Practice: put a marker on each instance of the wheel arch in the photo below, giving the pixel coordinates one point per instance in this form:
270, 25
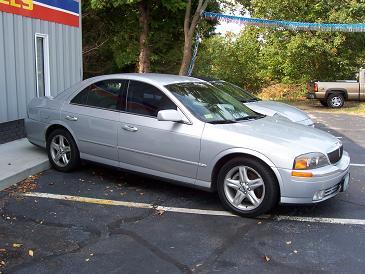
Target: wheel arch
227, 155
337, 90
59, 125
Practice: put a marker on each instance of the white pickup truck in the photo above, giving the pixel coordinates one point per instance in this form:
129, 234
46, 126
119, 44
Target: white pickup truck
334, 94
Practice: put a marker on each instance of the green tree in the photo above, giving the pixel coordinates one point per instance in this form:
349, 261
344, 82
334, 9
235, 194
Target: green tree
234, 59
142, 10
259, 56
299, 56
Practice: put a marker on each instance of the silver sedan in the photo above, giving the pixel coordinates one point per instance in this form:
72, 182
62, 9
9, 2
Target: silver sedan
186, 130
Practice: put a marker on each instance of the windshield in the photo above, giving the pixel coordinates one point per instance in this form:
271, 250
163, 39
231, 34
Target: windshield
235, 91
211, 104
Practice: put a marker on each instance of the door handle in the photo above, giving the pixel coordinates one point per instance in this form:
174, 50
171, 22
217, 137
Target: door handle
129, 128
71, 118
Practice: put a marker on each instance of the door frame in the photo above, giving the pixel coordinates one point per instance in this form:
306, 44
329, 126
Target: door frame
47, 83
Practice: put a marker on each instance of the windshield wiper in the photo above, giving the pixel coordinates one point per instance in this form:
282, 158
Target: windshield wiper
223, 122
249, 100
250, 117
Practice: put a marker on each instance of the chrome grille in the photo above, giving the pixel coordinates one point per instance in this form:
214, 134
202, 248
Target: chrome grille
335, 155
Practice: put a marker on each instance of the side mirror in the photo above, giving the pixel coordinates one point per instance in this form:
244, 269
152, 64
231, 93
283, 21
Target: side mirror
171, 115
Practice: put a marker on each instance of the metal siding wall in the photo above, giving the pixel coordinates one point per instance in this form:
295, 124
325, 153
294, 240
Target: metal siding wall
10, 72
3, 95
20, 68
29, 60
66, 53
73, 57
17, 61
53, 58
60, 58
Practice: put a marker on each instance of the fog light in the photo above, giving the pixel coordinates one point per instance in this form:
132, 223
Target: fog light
319, 195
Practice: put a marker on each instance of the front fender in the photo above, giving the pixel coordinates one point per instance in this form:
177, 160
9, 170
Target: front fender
208, 170
339, 90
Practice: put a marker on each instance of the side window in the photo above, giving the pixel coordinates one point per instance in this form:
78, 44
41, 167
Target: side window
146, 99
104, 94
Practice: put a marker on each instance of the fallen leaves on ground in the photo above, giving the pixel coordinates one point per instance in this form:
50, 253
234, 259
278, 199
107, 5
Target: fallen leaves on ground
160, 212
28, 184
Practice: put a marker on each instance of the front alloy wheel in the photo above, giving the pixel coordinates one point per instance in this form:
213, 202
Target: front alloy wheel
247, 187
244, 188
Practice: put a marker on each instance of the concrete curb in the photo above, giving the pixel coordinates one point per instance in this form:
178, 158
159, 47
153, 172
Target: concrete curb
23, 174
20, 159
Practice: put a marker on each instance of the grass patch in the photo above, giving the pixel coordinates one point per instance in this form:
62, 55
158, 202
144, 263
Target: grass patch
352, 108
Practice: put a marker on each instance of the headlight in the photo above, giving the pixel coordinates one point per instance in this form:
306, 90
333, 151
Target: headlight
278, 116
310, 161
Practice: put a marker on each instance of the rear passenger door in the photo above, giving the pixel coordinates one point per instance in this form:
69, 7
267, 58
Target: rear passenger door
93, 116
162, 146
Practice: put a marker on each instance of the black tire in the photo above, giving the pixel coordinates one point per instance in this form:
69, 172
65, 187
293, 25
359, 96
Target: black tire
323, 103
271, 193
73, 155
335, 100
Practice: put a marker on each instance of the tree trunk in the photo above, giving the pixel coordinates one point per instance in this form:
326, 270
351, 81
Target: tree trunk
144, 50
190, 25
187, 53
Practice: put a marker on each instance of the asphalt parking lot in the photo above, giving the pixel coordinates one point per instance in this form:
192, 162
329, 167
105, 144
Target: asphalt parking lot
98, 219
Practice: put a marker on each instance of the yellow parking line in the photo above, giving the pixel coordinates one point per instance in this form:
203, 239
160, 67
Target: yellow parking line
127, 204
87, 200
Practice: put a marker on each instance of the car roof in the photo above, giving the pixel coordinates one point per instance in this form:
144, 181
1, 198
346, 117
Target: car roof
208, 78
156, 78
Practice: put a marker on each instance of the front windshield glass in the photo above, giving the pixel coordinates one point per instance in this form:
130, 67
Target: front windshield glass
235, 91
211, 104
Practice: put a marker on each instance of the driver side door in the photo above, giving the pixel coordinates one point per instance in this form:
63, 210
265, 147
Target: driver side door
161, 148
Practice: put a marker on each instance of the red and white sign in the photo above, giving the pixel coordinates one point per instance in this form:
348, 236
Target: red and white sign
66, 12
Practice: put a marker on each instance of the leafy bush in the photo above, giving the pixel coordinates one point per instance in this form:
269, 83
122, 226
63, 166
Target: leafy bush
283, 92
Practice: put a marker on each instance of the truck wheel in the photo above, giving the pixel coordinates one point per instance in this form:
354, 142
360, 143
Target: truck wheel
323, 103
335, 100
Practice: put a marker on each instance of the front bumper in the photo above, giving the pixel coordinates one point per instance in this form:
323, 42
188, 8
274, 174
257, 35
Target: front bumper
297, 190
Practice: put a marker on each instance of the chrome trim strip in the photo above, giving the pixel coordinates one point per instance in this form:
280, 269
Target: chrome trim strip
161, 156
96, 143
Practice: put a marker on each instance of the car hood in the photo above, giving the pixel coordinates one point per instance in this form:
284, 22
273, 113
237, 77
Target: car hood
280, 141
270, 108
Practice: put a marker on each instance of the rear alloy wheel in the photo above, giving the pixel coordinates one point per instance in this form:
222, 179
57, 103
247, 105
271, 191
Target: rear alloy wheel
247, 187
62, 150
335, 100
